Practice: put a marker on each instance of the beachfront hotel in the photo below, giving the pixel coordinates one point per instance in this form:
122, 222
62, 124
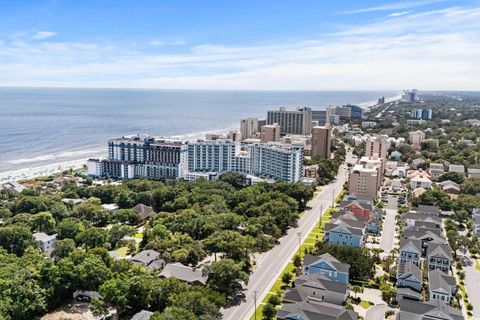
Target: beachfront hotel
142, 156
297, 121
147, 157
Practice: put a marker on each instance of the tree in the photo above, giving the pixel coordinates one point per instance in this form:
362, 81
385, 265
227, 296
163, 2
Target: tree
388, 292
226, 276
63, 248
297, 261
452, 176
287, 278
98, 307
269, 311
356, 289
124, 200
15, 239
69, 228
235, 179
93, 237
43, 222
174, 313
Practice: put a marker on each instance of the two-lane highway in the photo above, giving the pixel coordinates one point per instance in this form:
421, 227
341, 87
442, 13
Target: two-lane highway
270, 264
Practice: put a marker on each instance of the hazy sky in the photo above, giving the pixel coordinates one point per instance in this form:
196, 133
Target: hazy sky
277, 44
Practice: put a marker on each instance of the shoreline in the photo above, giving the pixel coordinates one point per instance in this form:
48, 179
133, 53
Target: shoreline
57, 167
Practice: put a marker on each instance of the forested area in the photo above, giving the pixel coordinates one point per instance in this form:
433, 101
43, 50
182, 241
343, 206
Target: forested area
220, 219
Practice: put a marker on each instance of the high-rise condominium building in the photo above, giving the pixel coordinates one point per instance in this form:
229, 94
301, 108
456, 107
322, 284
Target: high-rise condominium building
416, 137
270, 133
321, 116
365, 178
248, 127
321, 142
422, 114
297, 121
346, 112
211, 156
377, 146
142, 156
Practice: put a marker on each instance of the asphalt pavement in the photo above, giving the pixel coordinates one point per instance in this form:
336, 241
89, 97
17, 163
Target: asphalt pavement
388, 232
472, 284
270, 264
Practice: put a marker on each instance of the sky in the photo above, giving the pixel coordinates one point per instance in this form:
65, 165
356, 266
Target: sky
251, 45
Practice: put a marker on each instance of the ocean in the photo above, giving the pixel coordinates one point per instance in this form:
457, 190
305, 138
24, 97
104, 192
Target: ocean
41, 126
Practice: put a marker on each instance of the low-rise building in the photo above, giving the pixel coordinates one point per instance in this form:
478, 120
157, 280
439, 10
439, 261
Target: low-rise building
183, 273
316, 287
327, 265
345, 231
409, 281
150, 259
450, 187
45, 242
473, 173
313, 310
441, 286
439, 256
457, 168
436, 170
410, 251
433, 309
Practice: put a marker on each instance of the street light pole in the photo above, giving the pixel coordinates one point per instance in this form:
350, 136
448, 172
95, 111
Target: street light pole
333, 198
320, 216
299, 234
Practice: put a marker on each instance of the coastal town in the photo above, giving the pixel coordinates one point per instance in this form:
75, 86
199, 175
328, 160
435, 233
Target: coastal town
342, 213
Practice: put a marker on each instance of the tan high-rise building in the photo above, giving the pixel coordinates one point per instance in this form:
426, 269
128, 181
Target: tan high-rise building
321, 142
377, 146
248, 128
365, 178
416, 137
297, 121
270, 133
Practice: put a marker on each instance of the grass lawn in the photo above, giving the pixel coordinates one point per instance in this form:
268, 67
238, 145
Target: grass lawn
122, 251
477, 264
364, 304
139, 235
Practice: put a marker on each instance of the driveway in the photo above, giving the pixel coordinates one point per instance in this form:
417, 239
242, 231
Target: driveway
388, 232
376, 312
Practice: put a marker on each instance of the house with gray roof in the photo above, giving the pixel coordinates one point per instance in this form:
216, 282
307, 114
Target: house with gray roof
473, 173
409, 281
13, 187
430, 210
439, 256
45, 242
418, 219
346, 232
328, 265
312, 310
433, 309
457, 168
316, 287
441, 286
184, 273
142, 315
410, 250
144, 212
150, 259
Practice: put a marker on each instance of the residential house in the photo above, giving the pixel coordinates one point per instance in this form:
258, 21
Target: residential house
410, 250
112, 207
183, 273
476, 220
417, 163
417, 192
430, 210
361, 207
450, 187
430, 310
45, 242
416, 219
13, 187
375, 221
144, 212
426, 236
457, 168
439, 256
409, 281
150, 259
142, 315
436, 170
441, 286
313, 310
344, 231
328, 265
316, 287
473, 173
421, 181
73, 201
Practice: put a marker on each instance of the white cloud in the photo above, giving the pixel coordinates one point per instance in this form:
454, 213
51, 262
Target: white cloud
398, 14
158, 42
41, 35
429, 50
393, 6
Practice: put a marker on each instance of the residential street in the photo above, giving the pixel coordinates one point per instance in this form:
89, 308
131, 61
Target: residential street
388, 233
270, 264
472, 284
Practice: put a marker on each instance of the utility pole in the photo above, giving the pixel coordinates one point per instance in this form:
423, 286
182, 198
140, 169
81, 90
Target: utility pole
255, 300
320, 216
333, 198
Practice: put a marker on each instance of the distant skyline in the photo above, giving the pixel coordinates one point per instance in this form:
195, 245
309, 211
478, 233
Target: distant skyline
264, 45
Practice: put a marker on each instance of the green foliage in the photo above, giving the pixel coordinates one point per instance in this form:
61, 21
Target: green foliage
226, 276
452, 176
15, 239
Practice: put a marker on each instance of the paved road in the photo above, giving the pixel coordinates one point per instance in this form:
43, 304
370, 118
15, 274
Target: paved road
472, 283
376, 312
388, 233
270, 264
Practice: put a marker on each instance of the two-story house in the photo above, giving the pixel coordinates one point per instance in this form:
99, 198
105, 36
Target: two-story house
316, 287
409, 281
45, 242
346, 229
439, 256
441, 286
328, 265
410, 250
429, 310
